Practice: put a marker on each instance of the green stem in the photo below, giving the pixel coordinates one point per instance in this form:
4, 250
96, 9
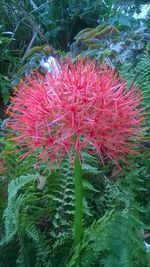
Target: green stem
78, 201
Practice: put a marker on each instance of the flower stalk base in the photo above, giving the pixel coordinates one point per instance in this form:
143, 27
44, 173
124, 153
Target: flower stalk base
78, 203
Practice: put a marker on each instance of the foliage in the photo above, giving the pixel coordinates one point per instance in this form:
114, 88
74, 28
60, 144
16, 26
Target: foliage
102, 245
38, 219
8, 64
39, 24
50, 207
140, 71
36, 24
93, 42
36, 206
111, 42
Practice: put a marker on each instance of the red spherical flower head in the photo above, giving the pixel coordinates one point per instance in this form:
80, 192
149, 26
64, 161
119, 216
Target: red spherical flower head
84, 106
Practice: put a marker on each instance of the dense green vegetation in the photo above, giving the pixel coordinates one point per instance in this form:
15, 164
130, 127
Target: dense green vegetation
37, 205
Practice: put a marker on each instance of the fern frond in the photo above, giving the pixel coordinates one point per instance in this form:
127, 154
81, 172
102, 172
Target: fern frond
15, 202
15, 185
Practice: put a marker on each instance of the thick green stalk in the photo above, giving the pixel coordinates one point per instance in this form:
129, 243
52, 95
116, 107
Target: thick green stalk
78, 201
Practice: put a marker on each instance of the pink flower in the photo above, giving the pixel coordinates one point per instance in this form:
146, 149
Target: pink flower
86, 106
